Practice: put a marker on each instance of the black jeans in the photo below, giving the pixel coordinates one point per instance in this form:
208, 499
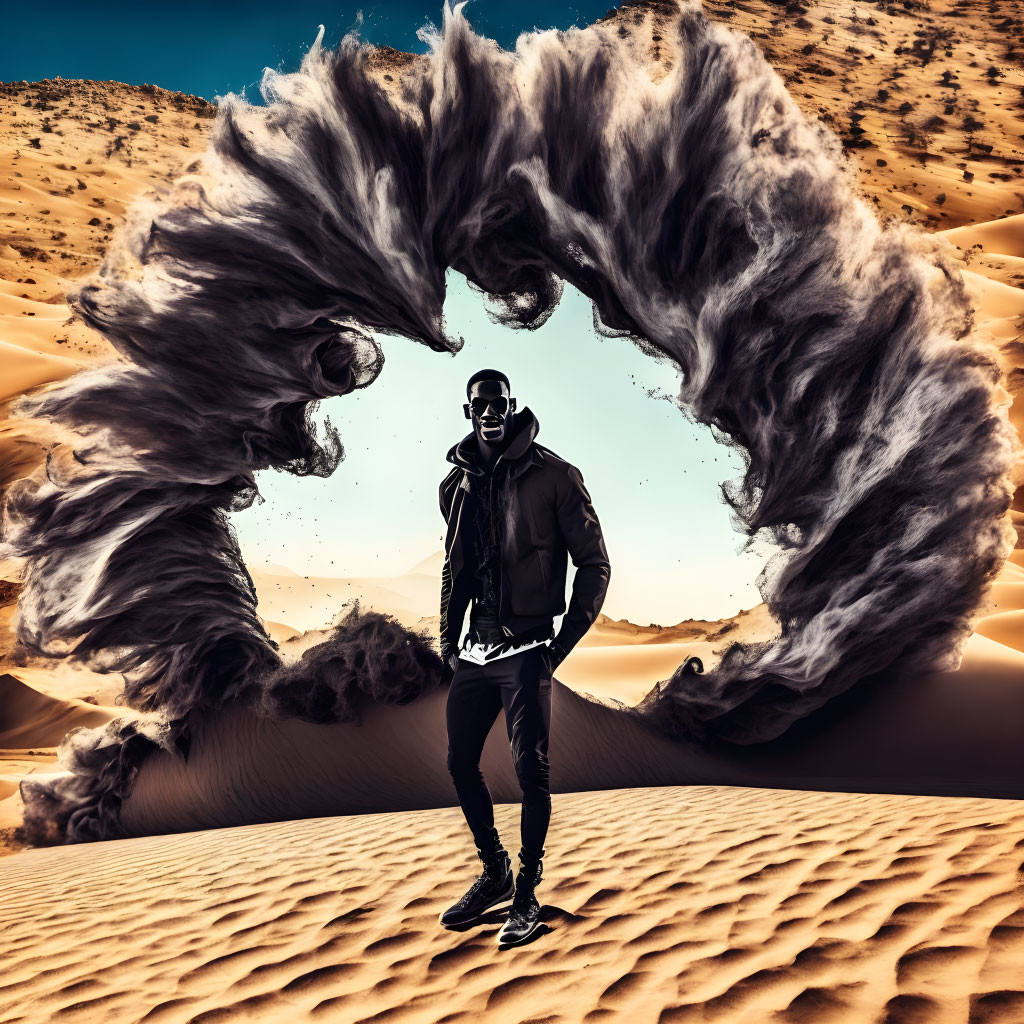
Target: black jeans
520, 684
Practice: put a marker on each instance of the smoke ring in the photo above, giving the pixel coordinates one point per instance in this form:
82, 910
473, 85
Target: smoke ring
709, 222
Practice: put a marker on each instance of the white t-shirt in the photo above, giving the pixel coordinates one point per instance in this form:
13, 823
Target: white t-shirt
480, 654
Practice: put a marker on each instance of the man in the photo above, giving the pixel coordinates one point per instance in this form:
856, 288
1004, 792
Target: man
515, 512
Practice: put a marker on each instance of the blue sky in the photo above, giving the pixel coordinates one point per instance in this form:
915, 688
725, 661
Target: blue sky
652, 474
215, 48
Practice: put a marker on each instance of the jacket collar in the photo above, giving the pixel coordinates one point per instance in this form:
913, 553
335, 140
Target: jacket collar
520, 453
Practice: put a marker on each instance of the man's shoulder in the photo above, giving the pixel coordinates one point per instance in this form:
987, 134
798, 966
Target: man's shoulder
449, 484
446, 490
554, 462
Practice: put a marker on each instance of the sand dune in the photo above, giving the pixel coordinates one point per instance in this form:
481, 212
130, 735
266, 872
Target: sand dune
925, 98
994, 284
30, 718
32, 724
68, 681
74, 156
279, 632
16, 765
677, 904
953, 733
1004, 236
948, 733
1005, 628
313, 602
296, 604
625, 673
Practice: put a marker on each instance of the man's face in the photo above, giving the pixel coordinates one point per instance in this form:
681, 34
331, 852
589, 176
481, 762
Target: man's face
490, 406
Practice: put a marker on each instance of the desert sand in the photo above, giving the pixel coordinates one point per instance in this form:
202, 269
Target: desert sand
33, 721
676, 887
672, 904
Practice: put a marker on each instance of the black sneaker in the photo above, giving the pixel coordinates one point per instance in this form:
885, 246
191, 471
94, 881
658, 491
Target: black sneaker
494, 885
524, 915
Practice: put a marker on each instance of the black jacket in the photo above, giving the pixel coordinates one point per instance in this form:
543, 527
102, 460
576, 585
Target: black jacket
547, 518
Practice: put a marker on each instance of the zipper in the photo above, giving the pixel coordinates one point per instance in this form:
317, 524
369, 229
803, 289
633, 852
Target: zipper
491, 518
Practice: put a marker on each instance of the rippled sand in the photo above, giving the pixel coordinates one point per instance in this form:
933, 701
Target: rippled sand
673, 904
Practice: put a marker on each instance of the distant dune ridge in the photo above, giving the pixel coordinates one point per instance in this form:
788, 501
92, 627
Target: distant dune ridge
867, 589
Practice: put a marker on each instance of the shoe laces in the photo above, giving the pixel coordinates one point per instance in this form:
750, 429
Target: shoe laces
480, 882
524, 894
491, 874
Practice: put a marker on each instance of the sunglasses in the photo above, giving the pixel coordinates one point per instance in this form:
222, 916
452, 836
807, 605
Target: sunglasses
499, 405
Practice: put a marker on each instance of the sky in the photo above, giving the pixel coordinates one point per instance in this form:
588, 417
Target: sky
653, 475
210, 49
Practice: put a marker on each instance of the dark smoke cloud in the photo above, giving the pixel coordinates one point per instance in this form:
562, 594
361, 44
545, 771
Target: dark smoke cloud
366, 657
707, 220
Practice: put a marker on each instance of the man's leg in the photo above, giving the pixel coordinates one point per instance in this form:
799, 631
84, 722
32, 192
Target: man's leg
526, 696
473, 704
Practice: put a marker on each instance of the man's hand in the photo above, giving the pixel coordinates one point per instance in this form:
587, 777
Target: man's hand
552, 656
581, 530
449, 663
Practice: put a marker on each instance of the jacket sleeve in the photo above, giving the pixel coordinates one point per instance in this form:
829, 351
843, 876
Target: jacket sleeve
583, 537
449, 641
443, 498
